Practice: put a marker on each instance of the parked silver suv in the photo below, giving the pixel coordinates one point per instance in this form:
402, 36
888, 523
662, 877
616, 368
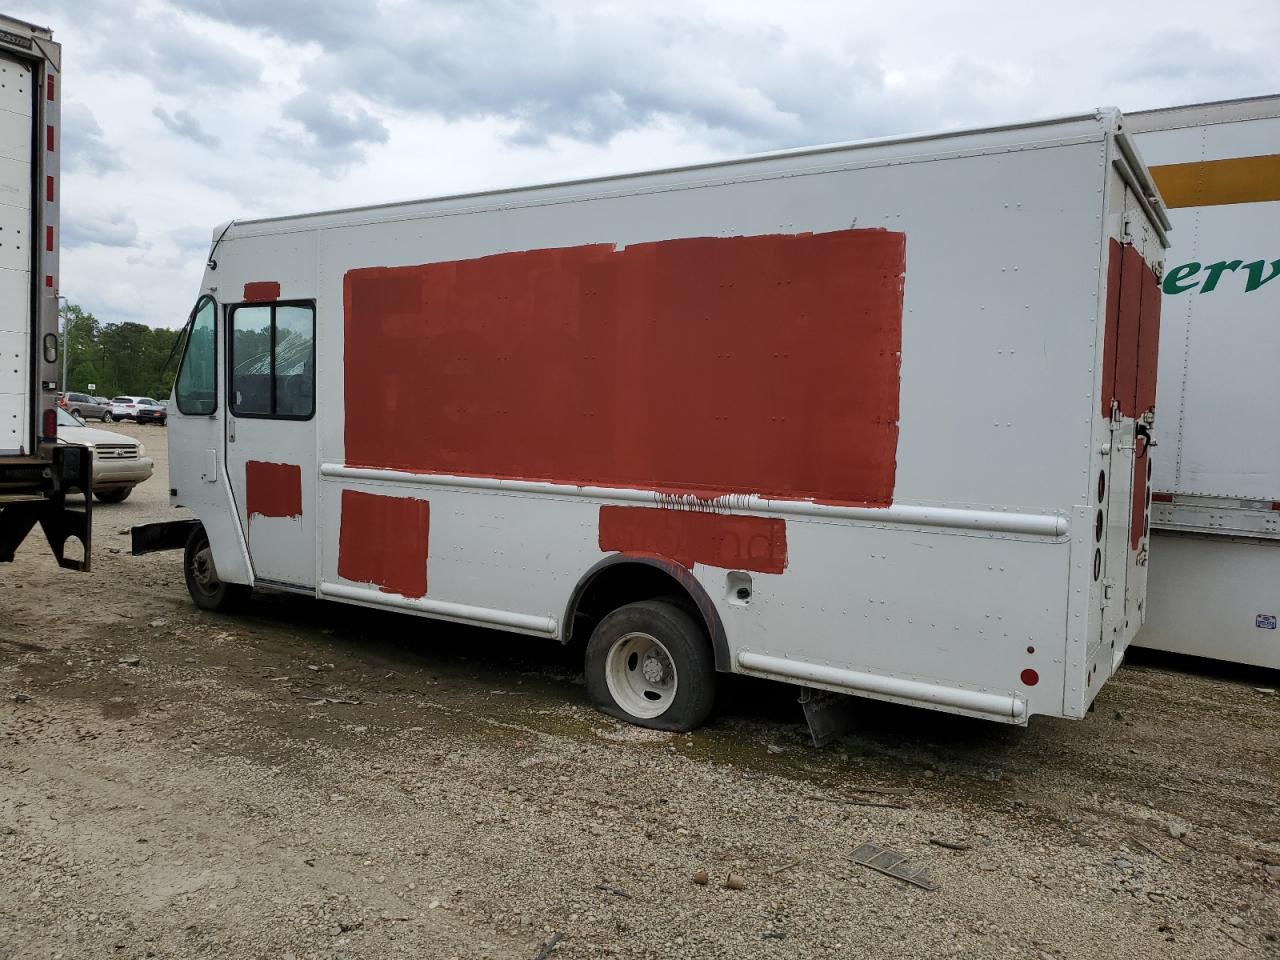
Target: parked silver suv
86, 407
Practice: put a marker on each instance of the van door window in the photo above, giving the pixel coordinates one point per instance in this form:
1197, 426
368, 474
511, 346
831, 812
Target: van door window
197, 373
273, 361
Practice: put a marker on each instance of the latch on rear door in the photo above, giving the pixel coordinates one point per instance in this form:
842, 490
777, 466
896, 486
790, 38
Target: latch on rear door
1107, 586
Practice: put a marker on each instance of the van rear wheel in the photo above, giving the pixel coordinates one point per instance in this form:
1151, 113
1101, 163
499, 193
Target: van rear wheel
650, 663
207, 591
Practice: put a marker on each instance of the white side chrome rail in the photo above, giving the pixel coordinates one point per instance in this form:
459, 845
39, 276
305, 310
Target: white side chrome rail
982, 521
993, 704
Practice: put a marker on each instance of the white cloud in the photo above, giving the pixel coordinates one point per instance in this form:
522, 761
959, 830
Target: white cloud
184, 113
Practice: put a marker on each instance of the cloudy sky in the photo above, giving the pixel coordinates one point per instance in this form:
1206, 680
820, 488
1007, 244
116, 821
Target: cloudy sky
180, 114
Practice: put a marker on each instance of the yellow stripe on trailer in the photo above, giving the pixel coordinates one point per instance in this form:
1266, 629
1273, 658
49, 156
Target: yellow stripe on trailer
1208, 183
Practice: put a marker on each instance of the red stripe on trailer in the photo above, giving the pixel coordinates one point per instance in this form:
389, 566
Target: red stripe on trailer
1162, 497
48, 137
48, 239
273, 489
48, 88
48, 189
48, 280
696, 536
260, 291
763, 364
383, 541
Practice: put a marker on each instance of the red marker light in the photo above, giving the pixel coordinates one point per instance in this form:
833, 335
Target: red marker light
51, 424
1030, 678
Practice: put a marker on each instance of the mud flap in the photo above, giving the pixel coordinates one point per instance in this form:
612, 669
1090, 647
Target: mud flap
168, 535
829, 715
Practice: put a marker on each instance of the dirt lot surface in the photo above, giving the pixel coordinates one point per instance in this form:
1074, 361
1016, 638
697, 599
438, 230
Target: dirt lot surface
313, 781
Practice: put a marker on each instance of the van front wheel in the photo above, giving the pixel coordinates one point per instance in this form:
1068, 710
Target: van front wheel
207, 591
650, 663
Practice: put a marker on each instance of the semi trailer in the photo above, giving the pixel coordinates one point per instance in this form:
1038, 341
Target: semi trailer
1215, 544
36, 472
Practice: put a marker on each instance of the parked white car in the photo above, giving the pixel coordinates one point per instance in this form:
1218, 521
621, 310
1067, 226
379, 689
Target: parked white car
120, 463
131, 408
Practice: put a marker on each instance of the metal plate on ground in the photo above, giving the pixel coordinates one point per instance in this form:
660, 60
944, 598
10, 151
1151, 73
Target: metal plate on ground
893, 864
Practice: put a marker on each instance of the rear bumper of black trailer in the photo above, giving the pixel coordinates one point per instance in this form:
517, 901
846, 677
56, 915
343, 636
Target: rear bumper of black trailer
34, 491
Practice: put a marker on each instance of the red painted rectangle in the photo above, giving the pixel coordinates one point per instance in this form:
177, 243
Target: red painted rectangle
273, 489
765, 364
1138, 511
48, 137
1162, 497
48, 189
383, 541
1115, 258
696, 536
48, 239
48, 280
260, 291
1132, 336
48, 88
1148, 338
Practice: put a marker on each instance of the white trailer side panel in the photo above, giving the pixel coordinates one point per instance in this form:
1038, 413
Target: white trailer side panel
1214, 590
15, 256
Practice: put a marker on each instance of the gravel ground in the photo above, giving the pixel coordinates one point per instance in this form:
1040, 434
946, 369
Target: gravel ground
308, 780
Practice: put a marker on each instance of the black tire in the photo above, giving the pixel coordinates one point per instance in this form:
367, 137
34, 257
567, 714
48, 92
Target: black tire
118, 495
207, 591
106, 417
688, 658
76, 413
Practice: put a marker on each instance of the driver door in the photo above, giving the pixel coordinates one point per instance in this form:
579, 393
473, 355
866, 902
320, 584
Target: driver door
270, 436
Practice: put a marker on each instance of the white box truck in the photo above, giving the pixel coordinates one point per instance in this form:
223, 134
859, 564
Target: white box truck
869, 418
1215, 565
36, 472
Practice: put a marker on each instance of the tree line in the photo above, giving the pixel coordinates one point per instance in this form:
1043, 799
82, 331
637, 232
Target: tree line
117, 358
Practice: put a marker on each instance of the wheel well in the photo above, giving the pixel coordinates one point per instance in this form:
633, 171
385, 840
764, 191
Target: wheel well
619, 580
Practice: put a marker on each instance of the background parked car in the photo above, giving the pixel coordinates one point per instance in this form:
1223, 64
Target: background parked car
85, 406
157, 414
120, 463
127, 407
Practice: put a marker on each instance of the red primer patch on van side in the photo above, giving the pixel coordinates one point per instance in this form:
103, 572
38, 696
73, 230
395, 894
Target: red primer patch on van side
710, 365
273, 489
695, 536
261, 291
383, 541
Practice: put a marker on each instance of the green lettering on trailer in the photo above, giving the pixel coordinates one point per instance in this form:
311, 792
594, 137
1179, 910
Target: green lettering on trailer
1255, 274
1184, 277
1173, 279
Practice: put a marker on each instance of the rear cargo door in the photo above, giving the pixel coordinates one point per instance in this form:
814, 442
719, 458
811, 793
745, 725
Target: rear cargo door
1132, 335
16, 317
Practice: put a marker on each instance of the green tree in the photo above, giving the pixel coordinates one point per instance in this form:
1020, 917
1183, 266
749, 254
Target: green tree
117, 357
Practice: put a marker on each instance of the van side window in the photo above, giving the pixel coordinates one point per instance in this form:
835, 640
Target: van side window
273, 360
195, 388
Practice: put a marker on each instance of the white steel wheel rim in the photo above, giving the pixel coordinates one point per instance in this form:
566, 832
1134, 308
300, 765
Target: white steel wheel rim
641, 675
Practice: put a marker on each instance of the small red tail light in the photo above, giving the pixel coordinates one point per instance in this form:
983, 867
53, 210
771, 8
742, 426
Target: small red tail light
51, 424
